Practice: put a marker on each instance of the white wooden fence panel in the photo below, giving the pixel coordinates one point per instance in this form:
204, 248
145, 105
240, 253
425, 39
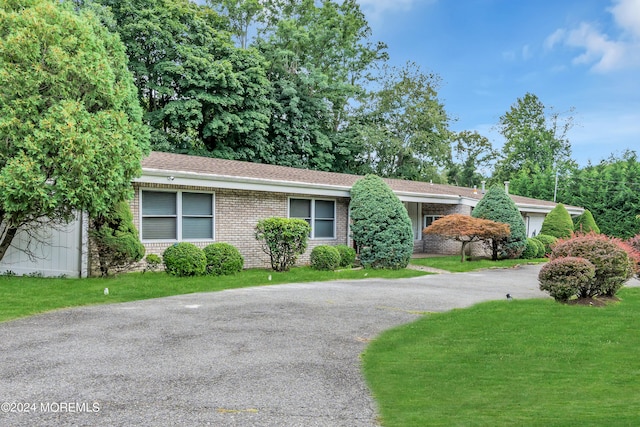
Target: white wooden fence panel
56, 251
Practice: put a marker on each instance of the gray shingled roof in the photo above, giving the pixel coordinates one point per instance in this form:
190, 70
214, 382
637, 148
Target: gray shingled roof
174, 163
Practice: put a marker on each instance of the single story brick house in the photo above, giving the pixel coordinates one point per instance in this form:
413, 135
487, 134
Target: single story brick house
204, 200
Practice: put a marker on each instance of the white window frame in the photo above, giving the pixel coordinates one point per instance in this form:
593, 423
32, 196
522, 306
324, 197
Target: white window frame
313, 215
179, 215
433, 218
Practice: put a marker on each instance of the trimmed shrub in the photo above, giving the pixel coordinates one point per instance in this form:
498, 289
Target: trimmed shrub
325, 257
497, 206
116, 239
532, 250
613, 266
283, 239
547, 242
184, 259
541, 250
585, 223
380, 225
153, 262
558, 223
347, 255
566, 277
223, 259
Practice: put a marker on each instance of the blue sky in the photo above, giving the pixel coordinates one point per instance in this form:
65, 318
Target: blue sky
581, 54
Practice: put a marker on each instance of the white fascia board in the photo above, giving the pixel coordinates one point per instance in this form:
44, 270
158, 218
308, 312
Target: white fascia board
442, 199
546, 209
154, 176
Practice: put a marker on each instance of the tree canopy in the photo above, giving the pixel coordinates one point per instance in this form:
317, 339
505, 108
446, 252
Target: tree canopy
70, 121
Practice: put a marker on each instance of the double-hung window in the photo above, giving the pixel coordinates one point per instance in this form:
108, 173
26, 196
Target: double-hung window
428, 219
320, 214
177, 215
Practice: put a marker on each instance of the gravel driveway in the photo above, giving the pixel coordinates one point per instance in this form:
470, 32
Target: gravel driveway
285, 355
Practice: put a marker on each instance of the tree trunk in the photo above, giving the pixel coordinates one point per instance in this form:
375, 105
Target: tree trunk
6, 239
464, 244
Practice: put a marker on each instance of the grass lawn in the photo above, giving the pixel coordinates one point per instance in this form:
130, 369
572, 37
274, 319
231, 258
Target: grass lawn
24, 296
453, 264
524, 362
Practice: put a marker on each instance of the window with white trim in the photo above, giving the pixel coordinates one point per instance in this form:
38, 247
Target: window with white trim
176, 215
320, 214
428, 220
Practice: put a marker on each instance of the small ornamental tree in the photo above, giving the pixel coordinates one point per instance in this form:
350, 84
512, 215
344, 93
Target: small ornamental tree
558, 223
283, 239
466, 229
497, 206
585, 223
116, 239
380, 225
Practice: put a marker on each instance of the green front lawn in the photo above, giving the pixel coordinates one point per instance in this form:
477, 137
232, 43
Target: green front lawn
453, 264
524, 362
24, 296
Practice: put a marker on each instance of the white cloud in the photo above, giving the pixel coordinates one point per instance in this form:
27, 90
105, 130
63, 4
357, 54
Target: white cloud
603, 52
627, 15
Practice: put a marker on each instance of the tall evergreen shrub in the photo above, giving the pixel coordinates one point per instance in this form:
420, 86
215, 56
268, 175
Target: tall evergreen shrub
585, 223
496, 205
380, 225
558, 223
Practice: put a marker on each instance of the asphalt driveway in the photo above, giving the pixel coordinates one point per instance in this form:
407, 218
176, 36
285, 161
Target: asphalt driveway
285, 355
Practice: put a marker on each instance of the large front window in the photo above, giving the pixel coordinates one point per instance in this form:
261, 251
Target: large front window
320, 214
177, 215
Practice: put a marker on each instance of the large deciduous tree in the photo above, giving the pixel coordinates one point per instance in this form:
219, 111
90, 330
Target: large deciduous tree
70, 123
201, 94
467, 229
320, 58
405, 127
474, 154
536, 143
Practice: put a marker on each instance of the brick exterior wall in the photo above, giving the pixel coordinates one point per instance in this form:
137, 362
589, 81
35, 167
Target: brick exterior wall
236, 213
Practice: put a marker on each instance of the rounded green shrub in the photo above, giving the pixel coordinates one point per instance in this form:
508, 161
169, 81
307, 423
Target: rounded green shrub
531, 250
558, 223
223, 259
347, 255
325, 257
613, 266
566, 277
380, 226
184, 259
540, 253
547, 242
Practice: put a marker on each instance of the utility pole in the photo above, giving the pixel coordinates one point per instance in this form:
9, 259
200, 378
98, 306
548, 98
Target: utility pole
555, 190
